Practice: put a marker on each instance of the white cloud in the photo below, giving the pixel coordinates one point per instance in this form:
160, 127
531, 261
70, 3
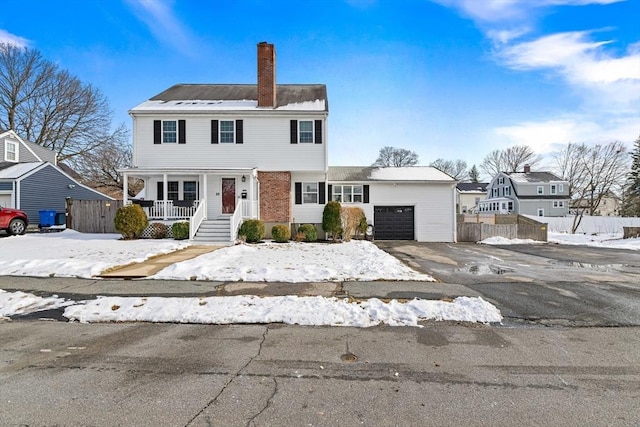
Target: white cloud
161, 20
545, 136
12, 39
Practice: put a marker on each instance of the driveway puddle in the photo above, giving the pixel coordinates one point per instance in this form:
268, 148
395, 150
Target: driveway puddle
480, 269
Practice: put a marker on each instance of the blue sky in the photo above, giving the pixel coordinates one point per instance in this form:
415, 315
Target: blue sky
450, 79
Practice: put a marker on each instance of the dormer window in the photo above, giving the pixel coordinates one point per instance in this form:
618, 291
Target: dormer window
10, 151
501, 180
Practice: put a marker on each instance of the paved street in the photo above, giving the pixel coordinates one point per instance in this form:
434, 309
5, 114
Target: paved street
537, 284
64, 374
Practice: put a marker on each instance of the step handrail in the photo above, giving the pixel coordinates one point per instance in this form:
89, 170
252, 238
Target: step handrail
198, 216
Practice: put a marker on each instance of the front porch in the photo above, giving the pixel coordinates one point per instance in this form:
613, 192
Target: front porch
215, 202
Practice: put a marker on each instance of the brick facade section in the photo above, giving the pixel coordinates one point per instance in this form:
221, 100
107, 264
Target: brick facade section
275, 196
266, 75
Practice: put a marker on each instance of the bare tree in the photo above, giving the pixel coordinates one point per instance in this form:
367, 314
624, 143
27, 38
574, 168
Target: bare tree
49, 106
396, 157
510, 159
99, 168
591, 172
456, 169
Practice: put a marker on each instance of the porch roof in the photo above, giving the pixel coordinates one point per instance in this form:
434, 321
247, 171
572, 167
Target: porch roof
184, 171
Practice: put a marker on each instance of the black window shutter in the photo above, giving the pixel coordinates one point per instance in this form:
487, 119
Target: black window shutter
298, 193
365, 196
160, 190
157, 132
214, 131
182, 132
239, 131
294, 131
318, 131
330, 192
321, 195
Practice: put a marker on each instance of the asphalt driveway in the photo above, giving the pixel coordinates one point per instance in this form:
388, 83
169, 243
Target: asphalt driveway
554, 285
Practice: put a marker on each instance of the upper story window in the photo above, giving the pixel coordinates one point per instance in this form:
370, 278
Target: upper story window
561, 188
227, 131
494, 192
169, 131
306, 131
540, 189
309, 192
10, 151
507, 191
305, 128
553, 189
347, 193
501, 180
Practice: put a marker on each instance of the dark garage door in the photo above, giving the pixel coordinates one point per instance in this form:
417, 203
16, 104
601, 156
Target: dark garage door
393, 222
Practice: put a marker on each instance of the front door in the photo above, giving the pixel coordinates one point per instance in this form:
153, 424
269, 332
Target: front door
228, 195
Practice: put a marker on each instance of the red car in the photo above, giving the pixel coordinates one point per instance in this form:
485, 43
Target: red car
13, 221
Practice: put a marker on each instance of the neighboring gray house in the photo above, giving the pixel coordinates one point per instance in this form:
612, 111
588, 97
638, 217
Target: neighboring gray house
527, 193
30, 179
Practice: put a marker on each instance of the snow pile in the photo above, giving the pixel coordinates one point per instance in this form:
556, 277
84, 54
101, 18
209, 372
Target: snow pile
12, 303
73, 254
287, 309
605, 240
497, 240
294, 262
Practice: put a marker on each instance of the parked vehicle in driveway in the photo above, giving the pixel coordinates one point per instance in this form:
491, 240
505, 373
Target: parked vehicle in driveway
13, 221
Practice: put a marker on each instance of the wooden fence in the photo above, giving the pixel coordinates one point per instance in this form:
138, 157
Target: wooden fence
474, 228
92, 216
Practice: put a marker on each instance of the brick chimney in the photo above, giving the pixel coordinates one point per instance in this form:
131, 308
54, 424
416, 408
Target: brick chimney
527, 169
266, 75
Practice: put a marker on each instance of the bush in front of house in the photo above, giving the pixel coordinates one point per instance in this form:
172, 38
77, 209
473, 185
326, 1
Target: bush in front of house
331, 223
130, 221
352, 220
252, 230
180, 230
280, 233
158, 230
309, 232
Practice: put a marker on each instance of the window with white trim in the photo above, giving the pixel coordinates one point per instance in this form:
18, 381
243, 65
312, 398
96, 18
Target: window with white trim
10, 151
494, 192
190, 190
507, 191
347, 193
540, 212
305, 131
309, 192
169, 131
553, 189
501, 180
561, 188
510, 206
558, 203
540, 189
227, 131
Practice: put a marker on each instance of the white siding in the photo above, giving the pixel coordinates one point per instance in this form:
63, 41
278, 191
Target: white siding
307, 213
266, 145
434, 207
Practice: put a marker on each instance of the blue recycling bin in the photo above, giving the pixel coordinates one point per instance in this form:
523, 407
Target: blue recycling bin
47, 218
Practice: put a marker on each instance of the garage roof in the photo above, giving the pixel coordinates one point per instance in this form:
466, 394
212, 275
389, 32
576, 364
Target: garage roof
375, 173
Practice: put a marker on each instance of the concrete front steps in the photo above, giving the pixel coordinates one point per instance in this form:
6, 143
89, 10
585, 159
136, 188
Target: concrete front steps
214, 231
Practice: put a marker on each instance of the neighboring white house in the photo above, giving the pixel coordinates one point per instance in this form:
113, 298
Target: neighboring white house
220, 154
527, 193
468, 196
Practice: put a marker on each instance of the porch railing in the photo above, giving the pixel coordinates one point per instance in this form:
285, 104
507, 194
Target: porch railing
236, 220
197, 218
169, 209
249, 208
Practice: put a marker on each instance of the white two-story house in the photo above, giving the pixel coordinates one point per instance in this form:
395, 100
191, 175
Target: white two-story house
220, 154
526, 193
216, 154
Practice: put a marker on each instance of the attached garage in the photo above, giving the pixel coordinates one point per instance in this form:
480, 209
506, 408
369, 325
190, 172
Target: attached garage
394, 222
402, 203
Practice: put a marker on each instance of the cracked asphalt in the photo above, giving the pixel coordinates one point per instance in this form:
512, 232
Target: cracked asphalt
551, 285
69, 374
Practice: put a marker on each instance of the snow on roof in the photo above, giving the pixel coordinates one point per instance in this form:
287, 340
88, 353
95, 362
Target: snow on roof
411, 173
231, 105
19, 169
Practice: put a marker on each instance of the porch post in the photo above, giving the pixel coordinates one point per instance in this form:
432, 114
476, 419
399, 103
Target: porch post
165, 190
203, 196
125, 188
